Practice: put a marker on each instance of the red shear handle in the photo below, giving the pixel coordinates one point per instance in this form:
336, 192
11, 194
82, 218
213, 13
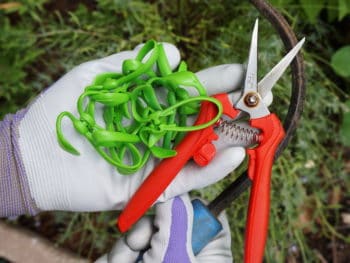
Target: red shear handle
259, 171
156, 183
196, 144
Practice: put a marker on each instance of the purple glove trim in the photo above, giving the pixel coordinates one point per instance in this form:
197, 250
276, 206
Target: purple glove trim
176, 251
15, 198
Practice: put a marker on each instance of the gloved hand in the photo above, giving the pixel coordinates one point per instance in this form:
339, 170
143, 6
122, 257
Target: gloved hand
52, 179
168, 238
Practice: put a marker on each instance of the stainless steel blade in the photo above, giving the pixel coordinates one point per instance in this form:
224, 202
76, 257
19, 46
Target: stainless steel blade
250, 98
266, 84
250, 83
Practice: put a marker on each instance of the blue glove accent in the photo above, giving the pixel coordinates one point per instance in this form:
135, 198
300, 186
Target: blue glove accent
205, 226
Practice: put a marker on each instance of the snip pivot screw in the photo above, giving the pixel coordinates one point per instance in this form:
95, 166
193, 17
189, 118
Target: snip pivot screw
251, 99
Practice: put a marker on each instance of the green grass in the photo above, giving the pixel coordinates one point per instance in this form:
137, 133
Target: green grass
40, 41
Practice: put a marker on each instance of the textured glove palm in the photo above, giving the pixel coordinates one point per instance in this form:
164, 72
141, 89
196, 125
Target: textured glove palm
61, 181
168, 237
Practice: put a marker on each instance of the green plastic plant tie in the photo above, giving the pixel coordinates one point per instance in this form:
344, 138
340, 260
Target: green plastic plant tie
136, 121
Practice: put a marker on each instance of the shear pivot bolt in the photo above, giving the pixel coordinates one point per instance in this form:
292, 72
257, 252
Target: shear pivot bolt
251, 100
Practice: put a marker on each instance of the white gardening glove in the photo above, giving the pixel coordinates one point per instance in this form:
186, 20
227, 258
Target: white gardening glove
59, 180
167, 238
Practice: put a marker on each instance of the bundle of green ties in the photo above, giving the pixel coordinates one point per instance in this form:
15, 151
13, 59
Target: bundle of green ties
136, 124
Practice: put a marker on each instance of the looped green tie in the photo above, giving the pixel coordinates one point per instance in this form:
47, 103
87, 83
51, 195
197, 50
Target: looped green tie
145, 110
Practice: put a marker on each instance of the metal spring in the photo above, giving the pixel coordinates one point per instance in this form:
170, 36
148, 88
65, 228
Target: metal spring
238, 133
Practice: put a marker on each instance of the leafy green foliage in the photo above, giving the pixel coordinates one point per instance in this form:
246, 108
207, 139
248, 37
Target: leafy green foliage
16, 53
40, 42
312, 8
345, 126
344, 8
341, 61
335, 9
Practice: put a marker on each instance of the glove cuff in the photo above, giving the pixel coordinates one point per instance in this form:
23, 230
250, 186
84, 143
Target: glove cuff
14, 188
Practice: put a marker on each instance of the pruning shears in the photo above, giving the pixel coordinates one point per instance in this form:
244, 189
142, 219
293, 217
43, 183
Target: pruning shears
198, 146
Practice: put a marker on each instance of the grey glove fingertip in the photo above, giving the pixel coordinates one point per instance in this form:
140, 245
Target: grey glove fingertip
121, 252
102, 259
221, 79
140, 236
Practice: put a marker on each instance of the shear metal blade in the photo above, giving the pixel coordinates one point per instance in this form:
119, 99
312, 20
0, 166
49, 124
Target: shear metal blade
270, 79
250, 83
249, 103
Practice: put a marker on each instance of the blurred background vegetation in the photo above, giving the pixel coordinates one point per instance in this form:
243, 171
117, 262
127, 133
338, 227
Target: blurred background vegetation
40, 40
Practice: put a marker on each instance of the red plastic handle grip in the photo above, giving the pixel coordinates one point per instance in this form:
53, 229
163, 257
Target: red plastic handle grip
159, 179
259, 171
165, 172
195, 144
